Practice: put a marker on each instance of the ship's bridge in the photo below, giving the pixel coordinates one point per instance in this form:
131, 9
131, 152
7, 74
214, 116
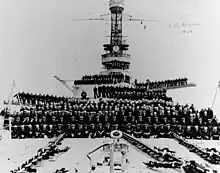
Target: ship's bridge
123, 57
109, 47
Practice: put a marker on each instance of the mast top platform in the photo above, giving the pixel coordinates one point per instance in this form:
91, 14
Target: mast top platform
116, 3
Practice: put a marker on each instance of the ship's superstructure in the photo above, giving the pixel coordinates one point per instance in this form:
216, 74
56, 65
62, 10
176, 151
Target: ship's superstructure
116, 60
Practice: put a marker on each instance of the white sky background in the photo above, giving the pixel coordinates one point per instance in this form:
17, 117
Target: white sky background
38, 39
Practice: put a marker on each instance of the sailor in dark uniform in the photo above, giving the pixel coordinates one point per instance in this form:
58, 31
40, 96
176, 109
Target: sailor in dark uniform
95, 92
30, 132
15, 132
147, 131
179, 130
156, 120
59, 130
23, 134
17, 120
129, 129
149, 121
182, 121
86, 131
106, 119
133, 121
68, 131
93, 131
196, 132
53, 120
72, 120
62, 120
73, 131
168, 131
83, 95
90, 119
138, 131
107, 130
205, 134
161, 130
114, 120
173, 123
80, 131
124, 122
38, 131
99, 91
140, 120
44, 120
155, 129
49, 132
97, 119
215, 133
188, 132
164, 120
81, 119
100, 131
115, 127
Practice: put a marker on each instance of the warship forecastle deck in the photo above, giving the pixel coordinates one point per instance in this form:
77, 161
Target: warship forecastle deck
16, 151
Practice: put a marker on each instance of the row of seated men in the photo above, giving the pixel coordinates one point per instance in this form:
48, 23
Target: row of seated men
97, 131
148, 115
167, 83
114, 118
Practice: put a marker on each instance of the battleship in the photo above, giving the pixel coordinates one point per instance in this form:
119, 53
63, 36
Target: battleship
110, 124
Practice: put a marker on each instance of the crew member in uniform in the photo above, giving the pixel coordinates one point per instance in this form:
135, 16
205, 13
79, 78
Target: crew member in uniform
161, 130
83, 95
124, 122
107, 130
14, 133
100, 131
129, 129
215, 133
188, 132
93, 131
23, 132
138, 131
59, 129
196, 133
95, 91
30, 132
80, 131
179, 130
73, 131
86, 131
164, 131
155, 130
115, 127
146, 131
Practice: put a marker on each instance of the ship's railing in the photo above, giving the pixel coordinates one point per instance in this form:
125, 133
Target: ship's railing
107, 55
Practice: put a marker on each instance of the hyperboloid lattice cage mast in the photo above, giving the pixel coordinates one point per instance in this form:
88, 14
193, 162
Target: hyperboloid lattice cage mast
116, 61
